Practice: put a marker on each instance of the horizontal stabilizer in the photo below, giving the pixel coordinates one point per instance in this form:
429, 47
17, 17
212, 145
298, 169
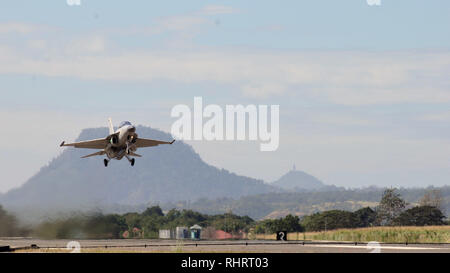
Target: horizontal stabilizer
136, 155
94, 154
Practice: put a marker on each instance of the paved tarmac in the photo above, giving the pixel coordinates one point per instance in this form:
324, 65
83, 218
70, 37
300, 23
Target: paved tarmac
240, 246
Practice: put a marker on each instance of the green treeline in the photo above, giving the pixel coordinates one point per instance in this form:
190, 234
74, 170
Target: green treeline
391, 211
9, 226
136, 225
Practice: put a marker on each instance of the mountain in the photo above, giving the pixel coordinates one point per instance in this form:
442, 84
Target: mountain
300, 181
166, 173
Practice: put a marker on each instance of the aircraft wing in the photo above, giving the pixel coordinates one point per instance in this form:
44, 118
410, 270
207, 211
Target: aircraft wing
143, 142
90, 144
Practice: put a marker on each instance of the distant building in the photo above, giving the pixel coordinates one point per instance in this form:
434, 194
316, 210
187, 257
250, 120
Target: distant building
182, 233
196, 231
166, 234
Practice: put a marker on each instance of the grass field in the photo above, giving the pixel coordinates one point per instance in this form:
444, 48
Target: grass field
429, 234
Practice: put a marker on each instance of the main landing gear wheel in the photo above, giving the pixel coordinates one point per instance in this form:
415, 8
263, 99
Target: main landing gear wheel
132, 161
105, 162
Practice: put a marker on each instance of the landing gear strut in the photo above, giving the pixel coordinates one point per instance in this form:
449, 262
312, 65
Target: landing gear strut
131, 160
105, 161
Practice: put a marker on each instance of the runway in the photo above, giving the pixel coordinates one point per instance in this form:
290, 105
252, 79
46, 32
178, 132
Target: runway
240, 246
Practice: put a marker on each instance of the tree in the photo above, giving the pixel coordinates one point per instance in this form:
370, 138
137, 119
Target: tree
264, 226
289, 223
366, 217
328, 220
172, 215
421, 216
9, 225
153, 211
432, 198
230, 222
390, 207
133, 220
101, 226
190, 218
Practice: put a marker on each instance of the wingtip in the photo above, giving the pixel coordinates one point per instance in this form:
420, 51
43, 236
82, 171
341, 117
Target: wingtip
62, 144
173, 141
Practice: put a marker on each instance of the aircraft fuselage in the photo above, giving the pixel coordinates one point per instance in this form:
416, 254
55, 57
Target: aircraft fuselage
123, 137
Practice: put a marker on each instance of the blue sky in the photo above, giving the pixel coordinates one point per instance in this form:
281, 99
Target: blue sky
364, 91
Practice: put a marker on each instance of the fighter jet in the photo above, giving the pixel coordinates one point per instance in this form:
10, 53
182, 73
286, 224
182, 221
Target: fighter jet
119, 144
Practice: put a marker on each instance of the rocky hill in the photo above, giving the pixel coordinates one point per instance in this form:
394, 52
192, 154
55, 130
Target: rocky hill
165, 173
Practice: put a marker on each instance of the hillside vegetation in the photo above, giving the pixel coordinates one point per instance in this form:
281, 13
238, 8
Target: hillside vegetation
276, 205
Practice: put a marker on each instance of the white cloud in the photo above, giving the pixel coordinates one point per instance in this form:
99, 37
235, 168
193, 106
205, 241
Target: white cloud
22, 28
353, 78
13, 27
178, 23
262, 90
85, 45
217, 9
371, 95
339, 119
38, 44
191, 22
437, 117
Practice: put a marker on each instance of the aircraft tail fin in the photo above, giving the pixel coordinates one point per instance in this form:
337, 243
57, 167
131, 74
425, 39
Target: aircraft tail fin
111, 127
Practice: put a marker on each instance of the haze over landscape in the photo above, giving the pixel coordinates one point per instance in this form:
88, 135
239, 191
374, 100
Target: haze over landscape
166, 173
184, 131
175, 176
360, 104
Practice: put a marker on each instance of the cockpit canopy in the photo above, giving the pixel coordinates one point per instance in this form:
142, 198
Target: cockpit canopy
124, 123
